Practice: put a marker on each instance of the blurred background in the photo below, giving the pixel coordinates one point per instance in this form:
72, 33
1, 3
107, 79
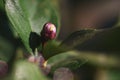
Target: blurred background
79, 14
97, 14
76, 15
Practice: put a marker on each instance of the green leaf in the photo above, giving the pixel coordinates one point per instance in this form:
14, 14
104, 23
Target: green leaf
1, 5
102, 40
118, 22
114, 74
107, 40
53, 48
65, 60
30, 15
78, 37
24, 70
75, 59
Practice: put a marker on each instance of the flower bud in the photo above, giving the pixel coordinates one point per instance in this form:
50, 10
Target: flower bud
63, 74
49, 31
3, 68
40, 61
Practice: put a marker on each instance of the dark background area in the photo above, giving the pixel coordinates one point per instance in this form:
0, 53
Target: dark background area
80, 14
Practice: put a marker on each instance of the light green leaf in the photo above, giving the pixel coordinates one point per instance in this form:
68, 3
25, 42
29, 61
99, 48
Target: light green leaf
65, 59
24, 70
75, 59
53, 48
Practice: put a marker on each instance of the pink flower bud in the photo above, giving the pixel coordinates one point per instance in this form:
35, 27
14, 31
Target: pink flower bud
3, 68
49, 31
63, 74
40, 61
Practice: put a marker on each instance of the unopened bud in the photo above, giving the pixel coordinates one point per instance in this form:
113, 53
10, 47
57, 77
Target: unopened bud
3, 68
40, 61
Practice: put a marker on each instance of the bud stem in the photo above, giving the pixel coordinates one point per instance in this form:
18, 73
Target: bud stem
36, 52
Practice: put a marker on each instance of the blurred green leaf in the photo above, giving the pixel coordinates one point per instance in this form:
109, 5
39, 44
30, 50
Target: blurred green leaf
74, 59
78, 37
118, 22
30, 15
107, 40
101, 40
24, 70
65, 60
6, 50
113, 74
1, 4
29, 72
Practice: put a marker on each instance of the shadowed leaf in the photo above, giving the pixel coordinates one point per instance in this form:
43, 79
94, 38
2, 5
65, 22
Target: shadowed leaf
6, 50
34, 40
103, 41
75, 59
78, 37
100, 40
